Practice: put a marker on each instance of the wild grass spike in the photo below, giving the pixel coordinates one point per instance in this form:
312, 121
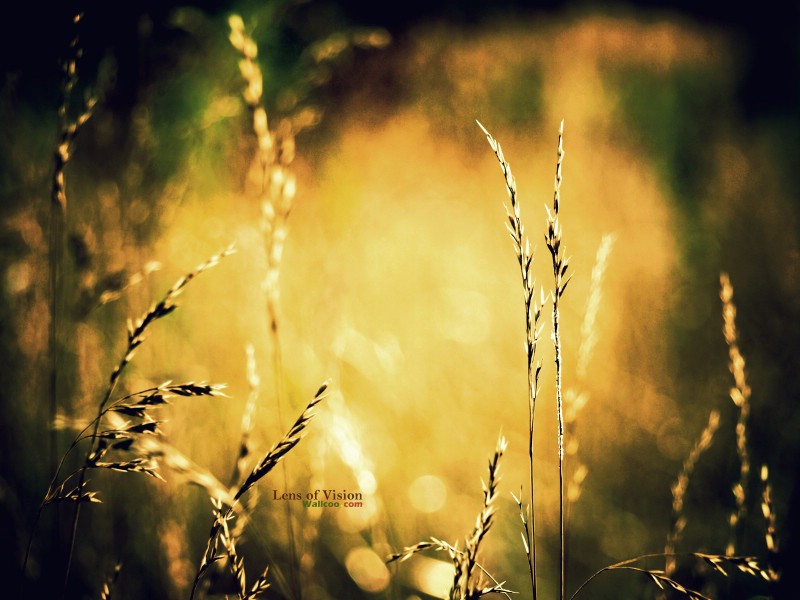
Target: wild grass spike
560, 265
740, 394
68, 128
576, 396
467, 583
770, 535
274, 155
533, 331
276, 150
254, 384
108, 586
264, 466
745, 564
593, 302
680, 486
235, 562
135, 405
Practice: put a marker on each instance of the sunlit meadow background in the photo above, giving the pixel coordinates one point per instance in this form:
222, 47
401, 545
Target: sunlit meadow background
399, 282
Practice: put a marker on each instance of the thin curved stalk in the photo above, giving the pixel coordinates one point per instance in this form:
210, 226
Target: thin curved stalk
560, 265
533, 311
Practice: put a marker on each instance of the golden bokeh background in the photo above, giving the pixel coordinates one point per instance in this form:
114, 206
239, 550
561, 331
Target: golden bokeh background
399, 284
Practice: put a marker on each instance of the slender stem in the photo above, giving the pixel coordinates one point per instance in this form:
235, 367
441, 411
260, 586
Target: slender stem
57, 217
615, 566
533, 387
67, 130
525, 258
41, 507
58, 210
554, 244
82, 477
454, 550
560, 408
277, 365
531, 517
276, 196
52, 485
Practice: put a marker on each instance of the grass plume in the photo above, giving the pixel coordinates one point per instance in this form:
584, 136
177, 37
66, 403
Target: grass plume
533, 331
593, 302
264, 466
254, 385
560, 265
468, 581
277, 186
680, 486
744, 564
68, 127
73, 488
274, 155
576, 397
108, 586
740, 394
770, 534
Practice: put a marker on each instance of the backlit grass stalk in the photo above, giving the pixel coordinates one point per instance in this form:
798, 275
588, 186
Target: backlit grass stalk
770, 536
560, 265
740, 394
576, 397
276, 199
680, 486
455, 555
533, 330
744, 564
235, 562
120, 434
588, 326
67, 132
276, 150
136, 336
108, 586
467, 583
254, 385
264, 466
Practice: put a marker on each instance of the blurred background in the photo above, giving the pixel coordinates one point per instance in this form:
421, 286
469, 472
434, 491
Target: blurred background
399, 283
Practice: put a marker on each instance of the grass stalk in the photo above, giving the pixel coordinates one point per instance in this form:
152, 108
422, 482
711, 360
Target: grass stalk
108, 586
136, 336
577, 396
533, 330
264, 466
467, 584
740, 394
254, 384
770, 535
276, 198
593, 303
67, 132
680, 486
744, 564
560, 265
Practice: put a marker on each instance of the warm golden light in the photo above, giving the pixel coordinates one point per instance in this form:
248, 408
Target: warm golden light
354, 218
427, 493
367, 570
